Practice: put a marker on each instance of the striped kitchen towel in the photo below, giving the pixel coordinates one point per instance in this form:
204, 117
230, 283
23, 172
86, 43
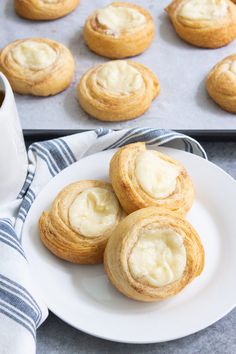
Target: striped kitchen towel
21, 309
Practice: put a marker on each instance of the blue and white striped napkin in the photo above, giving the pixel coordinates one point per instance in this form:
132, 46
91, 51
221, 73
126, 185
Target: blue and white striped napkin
21, 310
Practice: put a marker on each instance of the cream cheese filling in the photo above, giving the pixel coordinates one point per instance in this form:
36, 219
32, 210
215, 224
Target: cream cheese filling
94, 211
120, 18
158, 258
204, 9
34, 55
119, 77
156, 177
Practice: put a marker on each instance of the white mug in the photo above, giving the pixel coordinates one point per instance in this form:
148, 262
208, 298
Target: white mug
13, 157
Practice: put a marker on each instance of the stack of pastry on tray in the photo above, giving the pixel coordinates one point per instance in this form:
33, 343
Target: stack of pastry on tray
135, 224
120, 89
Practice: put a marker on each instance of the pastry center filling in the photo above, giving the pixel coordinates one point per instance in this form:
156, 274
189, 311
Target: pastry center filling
233, 67
94, 211
34, 55
158, 258
156, 177
120, 18
119, 77
204, 9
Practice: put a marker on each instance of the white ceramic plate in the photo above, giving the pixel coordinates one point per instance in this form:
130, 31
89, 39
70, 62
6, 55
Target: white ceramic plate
82, 295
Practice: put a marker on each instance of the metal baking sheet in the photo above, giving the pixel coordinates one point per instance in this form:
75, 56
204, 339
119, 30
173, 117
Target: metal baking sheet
183, 103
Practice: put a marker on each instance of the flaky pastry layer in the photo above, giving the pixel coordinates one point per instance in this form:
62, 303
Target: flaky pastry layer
107, 106
42, 81
126, 236
131, 195
44, 9
221, 83
129, 42
205, 33
61, 238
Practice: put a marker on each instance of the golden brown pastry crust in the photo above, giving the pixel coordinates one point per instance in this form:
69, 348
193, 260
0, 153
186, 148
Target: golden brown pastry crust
130, 194
204, 33
48, 81
124, 238
129, 43
106, 106
221, 84
58, 236
41, 10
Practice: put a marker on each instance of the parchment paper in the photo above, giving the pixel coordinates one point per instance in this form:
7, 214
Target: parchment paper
183, 102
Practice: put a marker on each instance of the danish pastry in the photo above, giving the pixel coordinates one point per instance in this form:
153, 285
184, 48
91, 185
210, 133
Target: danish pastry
44, 9
37, 66
221, 83
117, 90
153, 254
80, 221
204, 23
142, 178
119, 30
